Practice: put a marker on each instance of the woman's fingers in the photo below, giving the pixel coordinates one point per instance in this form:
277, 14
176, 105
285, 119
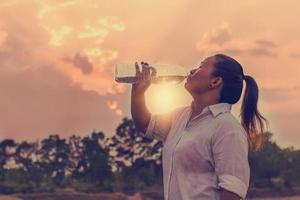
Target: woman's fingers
137, 69
153, 71
145, 71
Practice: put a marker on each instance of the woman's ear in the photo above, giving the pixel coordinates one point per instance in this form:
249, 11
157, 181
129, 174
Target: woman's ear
216, 82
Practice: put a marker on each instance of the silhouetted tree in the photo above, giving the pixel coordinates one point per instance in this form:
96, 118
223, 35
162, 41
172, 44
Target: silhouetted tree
133, 155
76, 147
87, 163
93, 165
6, 153
266, 164
26, 159
55, 161
128, 144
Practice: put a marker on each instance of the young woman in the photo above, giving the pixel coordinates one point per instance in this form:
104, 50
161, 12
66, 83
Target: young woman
205, 148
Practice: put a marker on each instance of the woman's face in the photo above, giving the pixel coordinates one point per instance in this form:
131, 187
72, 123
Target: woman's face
200, 78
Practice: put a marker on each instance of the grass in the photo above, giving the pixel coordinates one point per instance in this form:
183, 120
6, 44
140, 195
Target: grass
4, 197
278, 198
116, 196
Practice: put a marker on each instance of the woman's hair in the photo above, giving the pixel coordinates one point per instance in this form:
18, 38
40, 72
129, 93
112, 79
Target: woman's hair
232, 74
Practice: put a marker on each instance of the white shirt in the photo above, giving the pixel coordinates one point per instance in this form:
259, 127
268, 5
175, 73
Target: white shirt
202, 155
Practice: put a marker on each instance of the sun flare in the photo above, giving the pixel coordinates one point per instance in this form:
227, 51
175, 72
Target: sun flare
163, 98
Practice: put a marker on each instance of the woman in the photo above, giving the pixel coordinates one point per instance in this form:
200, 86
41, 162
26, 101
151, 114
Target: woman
205, 148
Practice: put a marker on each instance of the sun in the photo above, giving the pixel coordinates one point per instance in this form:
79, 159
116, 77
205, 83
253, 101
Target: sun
162, 98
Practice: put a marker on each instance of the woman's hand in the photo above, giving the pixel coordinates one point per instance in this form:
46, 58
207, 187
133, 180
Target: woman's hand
144, 77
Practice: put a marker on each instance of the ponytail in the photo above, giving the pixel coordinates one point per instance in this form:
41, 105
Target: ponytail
233, 75
251, 119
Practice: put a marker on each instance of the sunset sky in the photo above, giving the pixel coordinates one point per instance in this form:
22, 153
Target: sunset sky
57, 59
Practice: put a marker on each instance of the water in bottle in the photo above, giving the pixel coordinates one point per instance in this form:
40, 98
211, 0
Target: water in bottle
164, 73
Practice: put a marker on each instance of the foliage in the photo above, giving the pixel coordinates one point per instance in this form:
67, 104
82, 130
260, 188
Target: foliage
125, 162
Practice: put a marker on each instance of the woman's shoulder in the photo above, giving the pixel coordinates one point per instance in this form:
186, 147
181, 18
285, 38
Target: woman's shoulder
177, 112
227, 123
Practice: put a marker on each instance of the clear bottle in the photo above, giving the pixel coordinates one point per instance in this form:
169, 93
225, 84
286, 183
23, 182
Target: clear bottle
126, 72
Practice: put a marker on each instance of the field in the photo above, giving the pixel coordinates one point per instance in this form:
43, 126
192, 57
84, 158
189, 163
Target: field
279, 198
115, 196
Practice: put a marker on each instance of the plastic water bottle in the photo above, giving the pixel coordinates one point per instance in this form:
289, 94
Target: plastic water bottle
126, 72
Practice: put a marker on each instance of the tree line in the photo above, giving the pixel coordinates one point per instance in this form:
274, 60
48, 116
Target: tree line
125, 162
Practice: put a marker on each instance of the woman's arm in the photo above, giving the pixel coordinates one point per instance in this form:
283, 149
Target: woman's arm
139, 111
230, 153
140, 114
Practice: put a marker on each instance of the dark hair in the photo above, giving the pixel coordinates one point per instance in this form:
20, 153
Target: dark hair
232, 74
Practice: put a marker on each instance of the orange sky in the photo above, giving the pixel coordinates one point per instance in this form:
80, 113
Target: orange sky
57, 56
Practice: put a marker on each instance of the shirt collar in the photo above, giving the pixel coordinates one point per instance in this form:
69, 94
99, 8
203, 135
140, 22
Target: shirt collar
215, 109
219, 108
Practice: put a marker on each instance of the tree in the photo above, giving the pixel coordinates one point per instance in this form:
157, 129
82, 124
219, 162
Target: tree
128, 144
93, 165
55, 161
76, 148
266, 164
26, 159
291, 167
6, 153
134, 154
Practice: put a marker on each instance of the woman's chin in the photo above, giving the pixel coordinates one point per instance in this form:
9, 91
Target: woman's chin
186, 86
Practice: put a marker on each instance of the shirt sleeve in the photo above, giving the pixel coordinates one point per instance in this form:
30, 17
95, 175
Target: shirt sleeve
160, 124
230, 153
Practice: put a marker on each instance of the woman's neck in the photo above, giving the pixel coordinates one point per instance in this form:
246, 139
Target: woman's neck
199, 103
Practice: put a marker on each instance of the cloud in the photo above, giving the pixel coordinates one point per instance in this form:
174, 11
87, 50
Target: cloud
42, 93
222, 39
91, 32
83, 32
261, 51
113, 105
23, 46
266, 43
68, 3
263, 48
219, 35
81, 62
295, 55
285, 97
58, 36
286, 127
44, 41
48, 8
8, 3
119, 112
281, 94
100, 56
215, 39
44, 101
112, 23
3, 36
